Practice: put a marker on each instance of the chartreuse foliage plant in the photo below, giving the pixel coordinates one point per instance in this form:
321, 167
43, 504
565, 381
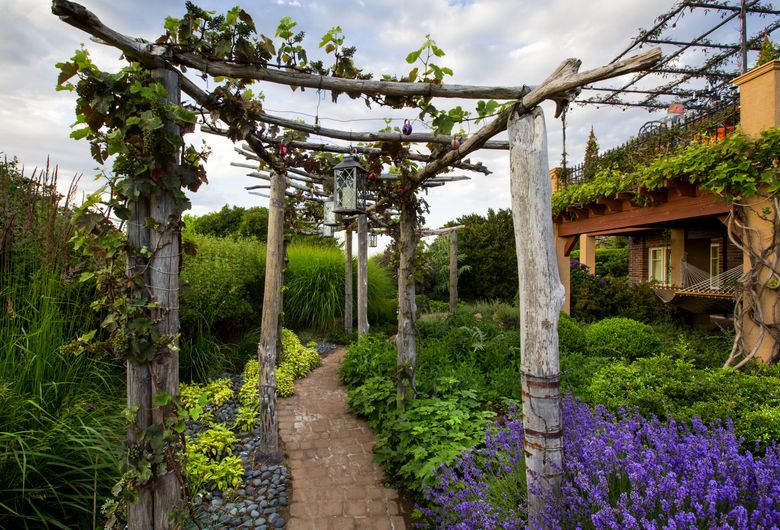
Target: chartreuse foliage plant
735, 168
620, 471
211, 463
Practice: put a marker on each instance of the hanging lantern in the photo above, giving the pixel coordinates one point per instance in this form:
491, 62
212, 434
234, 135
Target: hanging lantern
326, 231
349, 186
407, 128
456, 142
329, 217
372, 237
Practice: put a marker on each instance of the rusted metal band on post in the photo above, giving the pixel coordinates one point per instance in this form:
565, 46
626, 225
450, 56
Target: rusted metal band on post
549, 435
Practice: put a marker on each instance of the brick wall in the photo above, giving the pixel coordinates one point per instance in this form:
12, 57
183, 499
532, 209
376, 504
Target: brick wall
638, 255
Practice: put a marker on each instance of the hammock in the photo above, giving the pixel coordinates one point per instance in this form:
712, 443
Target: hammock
702, 293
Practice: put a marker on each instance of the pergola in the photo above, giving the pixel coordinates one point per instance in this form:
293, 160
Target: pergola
540, 289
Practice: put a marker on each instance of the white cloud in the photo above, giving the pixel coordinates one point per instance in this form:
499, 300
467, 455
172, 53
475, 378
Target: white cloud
488, 42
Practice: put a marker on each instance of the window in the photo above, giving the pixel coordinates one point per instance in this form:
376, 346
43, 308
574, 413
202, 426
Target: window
659, 265
715, 266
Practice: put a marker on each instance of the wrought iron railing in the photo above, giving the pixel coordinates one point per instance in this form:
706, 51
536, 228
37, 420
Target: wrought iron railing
657, 137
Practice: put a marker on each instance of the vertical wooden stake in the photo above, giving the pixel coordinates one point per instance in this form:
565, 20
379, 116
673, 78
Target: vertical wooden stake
348, 280
406, 344
267, 351
362, 276
453, 271
541, 298
140, 514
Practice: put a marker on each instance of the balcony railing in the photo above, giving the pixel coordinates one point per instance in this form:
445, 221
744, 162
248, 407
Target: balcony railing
656, 137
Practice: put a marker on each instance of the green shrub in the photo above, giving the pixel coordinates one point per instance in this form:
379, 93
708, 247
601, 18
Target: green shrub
508, 317
674, 388
571, 338
210, 462
371, 356
609, 261
428, 433
622, 337
596, 298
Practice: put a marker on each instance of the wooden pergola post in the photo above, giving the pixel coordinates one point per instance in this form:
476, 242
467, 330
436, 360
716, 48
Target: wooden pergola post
406, 344
541, 298
164, 284
348, 280
362, 276
453, 271
267, 352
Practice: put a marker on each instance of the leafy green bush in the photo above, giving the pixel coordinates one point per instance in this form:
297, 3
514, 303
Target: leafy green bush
596, 298
429, 432
674, 388
371, 356
571, 338
622, 337
609, 261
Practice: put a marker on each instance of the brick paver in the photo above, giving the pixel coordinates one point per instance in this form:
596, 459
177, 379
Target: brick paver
335, 484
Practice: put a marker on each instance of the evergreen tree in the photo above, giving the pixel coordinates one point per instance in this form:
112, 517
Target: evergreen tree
769, 51
591, 156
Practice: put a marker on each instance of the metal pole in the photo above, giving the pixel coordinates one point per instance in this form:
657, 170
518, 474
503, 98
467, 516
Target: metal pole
743, 35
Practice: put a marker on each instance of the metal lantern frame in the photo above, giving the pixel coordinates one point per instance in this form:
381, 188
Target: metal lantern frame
330, 217
326, 231
372, 239
349, 186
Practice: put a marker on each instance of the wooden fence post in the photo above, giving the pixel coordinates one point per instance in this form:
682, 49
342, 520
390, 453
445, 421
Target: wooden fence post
348, 280
541, 298
362, 276
140, 514
406, 344
164, 285
453, 271
268, 348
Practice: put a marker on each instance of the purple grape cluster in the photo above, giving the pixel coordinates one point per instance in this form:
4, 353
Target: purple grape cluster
620, 472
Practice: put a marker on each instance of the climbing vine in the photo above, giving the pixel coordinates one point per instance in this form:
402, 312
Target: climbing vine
126, 118
734, 168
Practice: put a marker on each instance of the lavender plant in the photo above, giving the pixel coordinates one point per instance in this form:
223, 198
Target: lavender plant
620, 472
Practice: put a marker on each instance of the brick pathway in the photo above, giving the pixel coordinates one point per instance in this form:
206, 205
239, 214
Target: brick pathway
335, 484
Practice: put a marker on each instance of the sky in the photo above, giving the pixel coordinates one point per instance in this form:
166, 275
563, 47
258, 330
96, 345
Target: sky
487, 42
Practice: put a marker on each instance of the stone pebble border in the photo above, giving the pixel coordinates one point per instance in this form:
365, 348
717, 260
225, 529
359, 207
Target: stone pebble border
261, 503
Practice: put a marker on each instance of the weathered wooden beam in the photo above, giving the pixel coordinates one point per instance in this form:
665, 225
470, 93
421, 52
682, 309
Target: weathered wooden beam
541, 297
680, 188
331, 148
289, 182
367, 136
561, 86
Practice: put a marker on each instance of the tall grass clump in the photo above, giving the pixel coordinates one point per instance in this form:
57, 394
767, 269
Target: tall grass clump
314, 281
314, 294
60, 425
221, 299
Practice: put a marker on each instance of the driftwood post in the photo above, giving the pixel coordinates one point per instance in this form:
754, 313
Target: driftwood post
267, 352
406, 344
541, 299
362, 276
453, 271
164, 284
348, 280
140, 514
